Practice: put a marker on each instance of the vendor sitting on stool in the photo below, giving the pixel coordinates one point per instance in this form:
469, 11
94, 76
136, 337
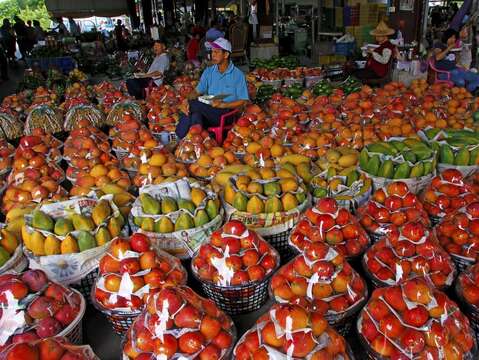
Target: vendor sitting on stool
158, 67
380, 58
223, 78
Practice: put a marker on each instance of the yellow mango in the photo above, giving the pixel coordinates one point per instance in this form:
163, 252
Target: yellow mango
17, 212
197, 196
122, 199
26, 236
255, 205
348, 160
229, 194
288, 185
52, 245
69, 245
37, 244
148, 224
82, 222
100, 212
102, 236
284, 174
15, 226
99, 170
8, 241
114, 227
289, 202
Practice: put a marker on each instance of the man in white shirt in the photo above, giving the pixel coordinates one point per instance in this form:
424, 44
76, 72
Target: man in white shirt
155, 73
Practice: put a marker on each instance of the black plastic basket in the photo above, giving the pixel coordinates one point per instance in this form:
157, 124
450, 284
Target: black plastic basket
461, 263
280, 242
86, 284
374, 237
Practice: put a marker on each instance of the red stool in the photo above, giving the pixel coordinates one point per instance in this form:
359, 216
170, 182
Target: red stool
437, 72
219, 130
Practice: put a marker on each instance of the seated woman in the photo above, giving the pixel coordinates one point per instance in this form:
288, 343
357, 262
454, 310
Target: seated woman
380, 58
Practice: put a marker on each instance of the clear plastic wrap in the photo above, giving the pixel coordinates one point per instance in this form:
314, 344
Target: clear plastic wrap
447, 192
179, 324
393, 204
196, 143
414, 321
34, 307
126, 107
44, 117
327, 223
321, 280
291, 332
406, 252
83, 112
467, 290
211, 162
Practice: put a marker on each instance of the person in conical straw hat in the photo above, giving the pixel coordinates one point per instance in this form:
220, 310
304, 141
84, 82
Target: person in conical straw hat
380, 57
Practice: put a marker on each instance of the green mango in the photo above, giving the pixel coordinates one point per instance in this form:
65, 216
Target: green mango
402, 171
148, 224
428, 166
211, 209
417, 170
149, 204
373, 166
363, 159
301, 197
290, 167
273, 205
240, 202
431, 133
352, 177
399, 145
85, 240
42, 221
410, 142
386, 170
82, 222
168, 205
272, 188
446, 155
304, 171
320, 192
409, 156
462, 157
138, 220
201, 218
184, 222
164, 225
63, 227
186, 205
382, 148
4, 256
473, 160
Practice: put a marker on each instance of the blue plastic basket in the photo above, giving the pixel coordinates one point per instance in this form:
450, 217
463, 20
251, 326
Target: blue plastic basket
344, 48
65, 63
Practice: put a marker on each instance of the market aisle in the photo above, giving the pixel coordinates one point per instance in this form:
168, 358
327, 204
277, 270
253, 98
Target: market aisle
16, 76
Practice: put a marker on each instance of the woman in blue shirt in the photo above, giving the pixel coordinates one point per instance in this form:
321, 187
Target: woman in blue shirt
223, 78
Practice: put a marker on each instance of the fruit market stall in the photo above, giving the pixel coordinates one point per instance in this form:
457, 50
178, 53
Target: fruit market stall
335, 221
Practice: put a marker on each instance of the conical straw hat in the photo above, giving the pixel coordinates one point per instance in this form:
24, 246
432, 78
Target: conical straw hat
382, 30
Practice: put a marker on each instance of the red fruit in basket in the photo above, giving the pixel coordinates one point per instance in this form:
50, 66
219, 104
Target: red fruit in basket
234, 262
378, 309
256, 273
25, 337
23, 351
242, 352
191, 342
263, 247
299, 344
393, 203
166, 346
323, 268
342, 217
350, 231
234, 245
210, 327
437, 336
240, 278
386, 255
390, 326
147, 260
155, 278
398, 218
283, 291
17, 288
327, 205
145, 356
216, 239
48, 327
223, 340
473, 209
119, 247
461, 220
144, 340
268, 262
394, 297
234, 227
49, 349
109, 265
211, 352
138, 282
409, 200
251, 341
139, 242
398, 188
382, 215
452, 175
382, 346
294, 316
417, 316
417, 291
413, 231
317, 250
42, 307
460, 237
301, 267
36, 280
368, 329
112, 282
188, 317
413, 341
334, 236
471, 294
67, 314
250, 257
324, 222
248, 241
339, 304
130, 266
318, 323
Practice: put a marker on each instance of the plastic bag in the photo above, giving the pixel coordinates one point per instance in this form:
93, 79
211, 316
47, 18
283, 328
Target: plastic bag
406, 252
414, 319
394, 204
240, 257
120, 109
44, 117
10, 127
34, 307
290, 332
320, 280
196, 142
179, 324
83, 112
327, 223
130, 271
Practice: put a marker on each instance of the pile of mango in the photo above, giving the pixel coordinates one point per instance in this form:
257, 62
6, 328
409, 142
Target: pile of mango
455, 147
343, 186
45, 235
398, 159
8, 245
166, 214
265, 190
339, 160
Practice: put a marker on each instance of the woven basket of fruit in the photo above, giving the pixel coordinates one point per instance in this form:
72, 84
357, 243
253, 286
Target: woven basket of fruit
129, 272
83, 112
119, 110
178, 216
195, 328
10, 127
234, 268
44, 117
40, 308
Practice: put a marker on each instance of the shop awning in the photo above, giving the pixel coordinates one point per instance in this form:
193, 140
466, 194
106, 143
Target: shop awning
86, 8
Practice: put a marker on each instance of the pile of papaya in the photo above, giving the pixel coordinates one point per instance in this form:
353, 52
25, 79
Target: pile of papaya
44, 234
164, 214
265, 190
398, 159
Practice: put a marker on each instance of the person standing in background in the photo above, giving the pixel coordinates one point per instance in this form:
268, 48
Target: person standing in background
119, 36
22, 35
192, 49
74, 28
39, 33
8, 40
253, 18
